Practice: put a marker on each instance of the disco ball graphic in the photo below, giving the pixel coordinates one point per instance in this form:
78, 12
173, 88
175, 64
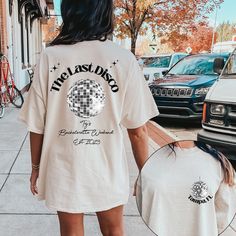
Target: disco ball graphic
200, 190
86, 98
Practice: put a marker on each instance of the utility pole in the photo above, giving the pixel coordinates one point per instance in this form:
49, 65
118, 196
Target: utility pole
214, 29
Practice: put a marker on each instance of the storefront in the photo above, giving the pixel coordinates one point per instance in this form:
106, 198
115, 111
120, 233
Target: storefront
21, 35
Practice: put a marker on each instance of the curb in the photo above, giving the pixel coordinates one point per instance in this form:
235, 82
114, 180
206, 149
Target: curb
159, 136
153, 144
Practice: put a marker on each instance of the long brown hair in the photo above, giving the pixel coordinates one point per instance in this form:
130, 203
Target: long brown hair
228, 170
85, 20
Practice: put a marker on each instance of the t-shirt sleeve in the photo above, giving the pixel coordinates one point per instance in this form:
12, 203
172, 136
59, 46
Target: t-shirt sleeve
33, 111
225, 203
139, 105
139, 194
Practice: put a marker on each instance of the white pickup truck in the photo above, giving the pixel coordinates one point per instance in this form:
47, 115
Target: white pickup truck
155, 65
219, 116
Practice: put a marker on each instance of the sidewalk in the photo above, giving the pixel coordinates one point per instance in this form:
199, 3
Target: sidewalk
21, 213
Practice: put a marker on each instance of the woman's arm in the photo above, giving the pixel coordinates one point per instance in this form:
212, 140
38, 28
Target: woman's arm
36, 143
139, 142
225, 205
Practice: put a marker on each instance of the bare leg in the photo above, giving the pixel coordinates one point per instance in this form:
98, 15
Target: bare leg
71, 224
111, 221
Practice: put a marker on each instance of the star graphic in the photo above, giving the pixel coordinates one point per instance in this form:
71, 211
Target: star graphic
114, 63
55, 67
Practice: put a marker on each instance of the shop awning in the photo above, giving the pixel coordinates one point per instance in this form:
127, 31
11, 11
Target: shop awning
50, 4
33, 9
32, 6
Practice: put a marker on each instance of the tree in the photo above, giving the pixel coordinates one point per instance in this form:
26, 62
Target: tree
163, 17
199, 40
225, 31
50, 30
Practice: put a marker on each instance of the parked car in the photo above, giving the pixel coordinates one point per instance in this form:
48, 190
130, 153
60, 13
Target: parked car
226, 46
154, 65
219, 116
181, 93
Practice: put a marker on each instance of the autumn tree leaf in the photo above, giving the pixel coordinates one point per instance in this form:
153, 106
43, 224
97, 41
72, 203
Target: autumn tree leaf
162, 17
200, 40
50, 30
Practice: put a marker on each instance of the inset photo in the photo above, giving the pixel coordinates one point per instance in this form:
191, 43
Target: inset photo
187, 188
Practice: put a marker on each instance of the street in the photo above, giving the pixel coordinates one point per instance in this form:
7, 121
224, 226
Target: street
181, 129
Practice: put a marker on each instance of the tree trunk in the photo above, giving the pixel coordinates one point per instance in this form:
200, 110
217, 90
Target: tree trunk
133, 43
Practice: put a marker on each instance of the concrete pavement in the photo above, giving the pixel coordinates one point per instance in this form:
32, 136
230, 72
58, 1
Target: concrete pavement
182, 130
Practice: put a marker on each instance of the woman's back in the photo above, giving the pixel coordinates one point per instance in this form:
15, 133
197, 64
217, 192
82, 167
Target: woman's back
182, 193
80, 97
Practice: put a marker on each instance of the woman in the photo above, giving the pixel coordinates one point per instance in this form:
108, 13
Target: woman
187, 188
84, 90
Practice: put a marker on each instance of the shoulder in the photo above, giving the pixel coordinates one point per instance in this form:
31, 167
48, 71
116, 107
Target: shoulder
120, 50
211, 162
102, 51
127, 55
50, 50
109, 46
52, 53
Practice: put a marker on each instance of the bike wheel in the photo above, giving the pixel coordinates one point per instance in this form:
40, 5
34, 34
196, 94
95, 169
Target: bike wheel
15, 96
2, 111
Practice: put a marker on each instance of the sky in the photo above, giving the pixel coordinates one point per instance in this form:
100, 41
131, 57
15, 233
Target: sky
57, 6
225, 13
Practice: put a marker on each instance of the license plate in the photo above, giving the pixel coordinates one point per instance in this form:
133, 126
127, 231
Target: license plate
146, 77
216, 122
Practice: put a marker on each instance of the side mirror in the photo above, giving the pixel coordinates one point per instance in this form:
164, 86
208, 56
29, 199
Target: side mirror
164, 72
218, 65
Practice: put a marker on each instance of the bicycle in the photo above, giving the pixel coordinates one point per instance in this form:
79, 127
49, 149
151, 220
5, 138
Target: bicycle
2, 108
31, 76
9, 93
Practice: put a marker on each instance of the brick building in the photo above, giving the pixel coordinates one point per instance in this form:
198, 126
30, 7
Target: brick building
21, 34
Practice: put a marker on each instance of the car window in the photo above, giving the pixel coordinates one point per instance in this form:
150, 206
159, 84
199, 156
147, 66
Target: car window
194, 65
182, 56
231, 65
157, 62
175, 59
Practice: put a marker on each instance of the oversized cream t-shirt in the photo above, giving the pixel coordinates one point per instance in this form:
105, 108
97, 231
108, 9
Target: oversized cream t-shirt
80, 98
183, 194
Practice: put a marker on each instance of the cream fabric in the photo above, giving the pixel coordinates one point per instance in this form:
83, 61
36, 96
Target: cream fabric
80, 98
183, 194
